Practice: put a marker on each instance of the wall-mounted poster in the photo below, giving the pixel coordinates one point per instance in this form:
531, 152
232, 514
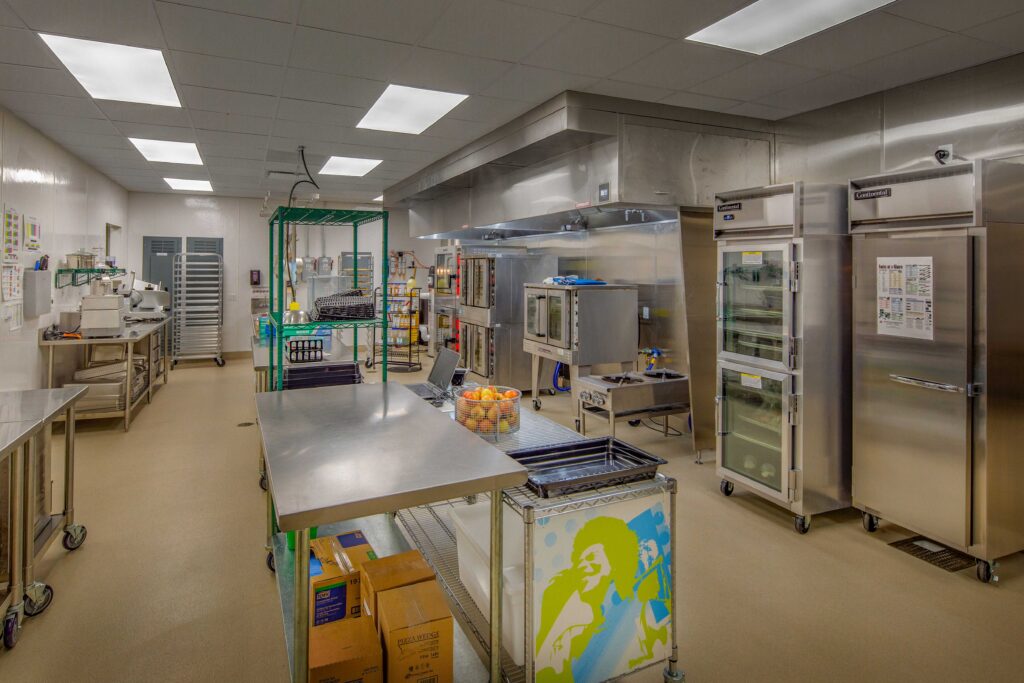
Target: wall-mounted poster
10, 282
905, 297
602, 596
33, 234
12, 236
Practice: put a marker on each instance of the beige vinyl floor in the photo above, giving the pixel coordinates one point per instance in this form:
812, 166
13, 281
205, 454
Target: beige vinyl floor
171, 584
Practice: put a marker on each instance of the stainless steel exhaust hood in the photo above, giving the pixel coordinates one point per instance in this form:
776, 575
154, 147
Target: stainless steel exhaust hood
583, 161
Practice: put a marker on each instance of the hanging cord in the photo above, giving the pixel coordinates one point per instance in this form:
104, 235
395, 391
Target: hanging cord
308, 179
554, 379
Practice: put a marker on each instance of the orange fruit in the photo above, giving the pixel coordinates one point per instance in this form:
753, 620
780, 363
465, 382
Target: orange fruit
485, 427
511, 393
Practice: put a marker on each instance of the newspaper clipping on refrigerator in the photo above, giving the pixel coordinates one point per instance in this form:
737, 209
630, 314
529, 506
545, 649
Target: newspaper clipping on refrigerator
905, 297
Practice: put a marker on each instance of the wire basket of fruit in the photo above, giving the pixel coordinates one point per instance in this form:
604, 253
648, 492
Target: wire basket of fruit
488, 411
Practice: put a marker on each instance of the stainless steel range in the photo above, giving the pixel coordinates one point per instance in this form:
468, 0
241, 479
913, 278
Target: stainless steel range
633, 396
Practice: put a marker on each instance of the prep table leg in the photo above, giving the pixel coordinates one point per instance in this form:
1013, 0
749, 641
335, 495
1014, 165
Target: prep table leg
129, 379
497, 564
37, 593
12, 620
672, 671
583, 419
166, 340
611, 423
300, 651
49, 368
150, 371
534, 375
74, 534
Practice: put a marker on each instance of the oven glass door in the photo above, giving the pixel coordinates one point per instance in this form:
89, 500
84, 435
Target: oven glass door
465, 282
482, 282
559, 318
755, 304
537, 315
480, 350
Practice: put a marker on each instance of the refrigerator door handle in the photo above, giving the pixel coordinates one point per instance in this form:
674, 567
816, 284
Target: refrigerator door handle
925, 384
718, 416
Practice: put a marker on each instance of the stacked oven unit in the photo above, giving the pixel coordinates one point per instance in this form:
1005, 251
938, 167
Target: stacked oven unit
491, 314
937, 348
783, 311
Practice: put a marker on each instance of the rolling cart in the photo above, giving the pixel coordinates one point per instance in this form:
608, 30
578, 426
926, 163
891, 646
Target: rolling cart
199, 307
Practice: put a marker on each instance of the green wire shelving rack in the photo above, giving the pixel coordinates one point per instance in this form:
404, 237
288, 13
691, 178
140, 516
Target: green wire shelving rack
284, 216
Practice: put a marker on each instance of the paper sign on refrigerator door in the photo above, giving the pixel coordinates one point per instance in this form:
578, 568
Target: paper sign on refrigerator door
905, 305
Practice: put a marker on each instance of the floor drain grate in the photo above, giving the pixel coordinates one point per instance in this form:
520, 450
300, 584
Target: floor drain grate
246, 424
934, 553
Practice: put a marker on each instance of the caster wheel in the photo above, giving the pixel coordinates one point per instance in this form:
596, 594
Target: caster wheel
174, 363
219, 362
263, 481
802, 524
870, 522
33, 608
368, 363
74, 538
576, 423
270, 562
726, 487
634, 423
536, 404
12, 629
985, 573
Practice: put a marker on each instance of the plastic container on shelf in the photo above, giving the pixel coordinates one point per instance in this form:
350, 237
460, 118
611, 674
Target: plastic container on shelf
489, 411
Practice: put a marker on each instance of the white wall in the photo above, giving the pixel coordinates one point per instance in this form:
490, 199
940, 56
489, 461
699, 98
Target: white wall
73, 202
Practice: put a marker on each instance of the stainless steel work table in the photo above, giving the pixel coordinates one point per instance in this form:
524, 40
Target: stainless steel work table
345, 452
24, 415
134, 333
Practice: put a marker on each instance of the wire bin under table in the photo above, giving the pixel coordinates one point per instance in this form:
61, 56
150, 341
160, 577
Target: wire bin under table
198, 307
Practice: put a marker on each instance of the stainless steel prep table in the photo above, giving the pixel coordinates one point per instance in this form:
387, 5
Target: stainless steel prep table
134, 333
344, 452
23, 416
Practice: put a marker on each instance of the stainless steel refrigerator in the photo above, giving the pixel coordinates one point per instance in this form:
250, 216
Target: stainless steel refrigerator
783, 312
938, 355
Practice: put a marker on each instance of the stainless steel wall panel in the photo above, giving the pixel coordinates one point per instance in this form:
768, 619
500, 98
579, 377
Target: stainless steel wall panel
699, 257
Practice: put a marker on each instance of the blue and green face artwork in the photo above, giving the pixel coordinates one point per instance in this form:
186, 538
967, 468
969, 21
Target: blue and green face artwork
606, 609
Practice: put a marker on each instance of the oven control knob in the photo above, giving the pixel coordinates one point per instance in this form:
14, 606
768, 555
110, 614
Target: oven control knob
585, 396
599, 399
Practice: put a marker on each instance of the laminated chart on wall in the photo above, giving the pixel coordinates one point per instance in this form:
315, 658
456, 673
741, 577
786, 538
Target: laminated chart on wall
33, 233
10, 281
906, 297
12, 236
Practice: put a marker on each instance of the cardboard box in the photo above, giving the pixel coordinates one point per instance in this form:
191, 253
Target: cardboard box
334, 563
417, 631
346, 651
387, 573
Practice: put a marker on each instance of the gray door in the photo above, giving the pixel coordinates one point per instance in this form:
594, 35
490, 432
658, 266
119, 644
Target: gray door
911, 411
205, 245
158, 260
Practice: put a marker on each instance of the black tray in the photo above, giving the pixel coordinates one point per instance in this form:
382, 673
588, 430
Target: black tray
325, 375
584, 465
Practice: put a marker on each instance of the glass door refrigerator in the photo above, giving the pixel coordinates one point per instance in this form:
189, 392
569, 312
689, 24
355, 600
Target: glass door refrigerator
783, 324
938, 339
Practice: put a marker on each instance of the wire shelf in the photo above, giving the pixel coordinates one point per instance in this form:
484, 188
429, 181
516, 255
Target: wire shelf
305, 216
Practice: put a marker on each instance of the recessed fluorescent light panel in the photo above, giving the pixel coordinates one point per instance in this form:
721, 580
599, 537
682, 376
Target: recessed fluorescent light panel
191, 185
379, 199
168, 152
349, 166
116, 72
409, 110
767, 25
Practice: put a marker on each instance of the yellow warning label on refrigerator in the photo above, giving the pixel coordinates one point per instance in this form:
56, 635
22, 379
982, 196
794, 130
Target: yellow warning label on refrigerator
753, 258
752, 381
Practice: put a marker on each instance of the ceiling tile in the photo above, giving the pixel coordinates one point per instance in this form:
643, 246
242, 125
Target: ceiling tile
534, 85
21, 46
756, 79
40, 80
488, 28
929, 59
220, 137
224, 35
396, 20
314, 86
228, 102
276, 10
234, 123
682, 64
447, 71
1008, 32
77, 139
587, 47
455, 129
629, 91
227, 74
322, 149
671, 18
9, 18
570, 7
761, 111
821, 92
695, 101
860, 40
144, 113
254, 153
74, 124
953, 15
229, 164
29, 103
115, 21
319, 112
148, 131
124, 158
488, 109
348, 55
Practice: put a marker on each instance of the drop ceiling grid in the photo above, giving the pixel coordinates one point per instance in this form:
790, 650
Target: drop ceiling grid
258, 77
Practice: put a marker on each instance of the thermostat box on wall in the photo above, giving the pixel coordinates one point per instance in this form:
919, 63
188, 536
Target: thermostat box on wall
37, 292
